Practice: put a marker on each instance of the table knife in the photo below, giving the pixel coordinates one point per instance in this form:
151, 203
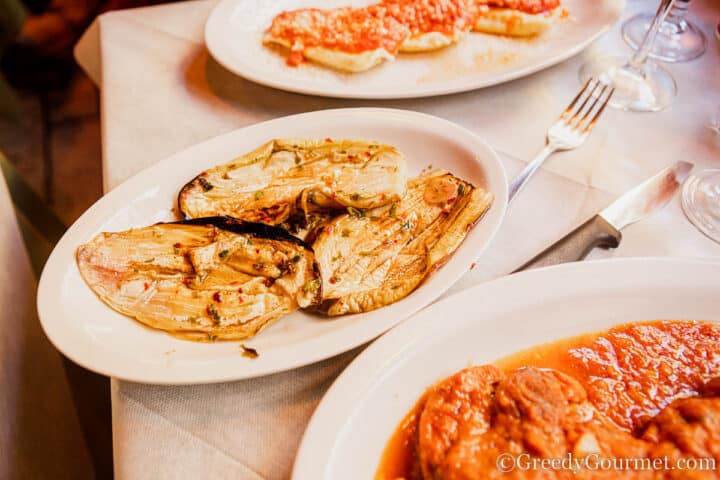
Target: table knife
603, 229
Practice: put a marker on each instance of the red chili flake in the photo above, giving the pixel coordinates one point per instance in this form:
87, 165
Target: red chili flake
268, 282
351, 157
257, 250
239, 290
240, 299
328, 230
177, 245
216, 297
146, 285
472, 266
395, 241
382, 197
334, 195
367, 153
333, 280
328, 140
186, 281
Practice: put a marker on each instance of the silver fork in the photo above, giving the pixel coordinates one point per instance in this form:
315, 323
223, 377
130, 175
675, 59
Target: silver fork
570, 131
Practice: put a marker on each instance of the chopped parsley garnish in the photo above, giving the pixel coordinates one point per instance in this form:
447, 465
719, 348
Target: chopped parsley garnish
355, 212
150, 260
345, 233
312, 286
407, 225
296, 258
355, 197
224, 253
393, 210
461, 189
212, 311
259, 195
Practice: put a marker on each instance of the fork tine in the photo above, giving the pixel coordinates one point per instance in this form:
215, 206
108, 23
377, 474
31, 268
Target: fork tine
569, 109
574, 122
590, 125
584, 114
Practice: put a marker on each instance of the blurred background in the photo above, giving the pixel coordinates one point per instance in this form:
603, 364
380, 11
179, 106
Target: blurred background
49, 111
54, 415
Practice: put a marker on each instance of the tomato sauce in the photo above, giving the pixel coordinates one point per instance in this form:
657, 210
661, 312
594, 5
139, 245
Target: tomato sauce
630, 373
385, 25
423, 16
349, 30
526, 6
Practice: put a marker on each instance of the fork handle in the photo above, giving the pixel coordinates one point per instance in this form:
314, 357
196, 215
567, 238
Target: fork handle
523, 177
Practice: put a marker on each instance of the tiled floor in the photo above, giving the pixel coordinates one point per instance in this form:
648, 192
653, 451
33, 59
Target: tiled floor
56, 146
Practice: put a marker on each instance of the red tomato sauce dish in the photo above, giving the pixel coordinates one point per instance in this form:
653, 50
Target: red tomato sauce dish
640, 390
358, 39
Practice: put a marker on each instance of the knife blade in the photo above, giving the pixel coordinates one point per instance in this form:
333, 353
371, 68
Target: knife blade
603, 229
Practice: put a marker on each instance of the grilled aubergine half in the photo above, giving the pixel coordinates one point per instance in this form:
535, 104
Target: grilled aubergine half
285, 177
374, 258
204, 279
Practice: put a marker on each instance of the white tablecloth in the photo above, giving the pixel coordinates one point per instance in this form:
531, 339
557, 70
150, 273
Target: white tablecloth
161, 92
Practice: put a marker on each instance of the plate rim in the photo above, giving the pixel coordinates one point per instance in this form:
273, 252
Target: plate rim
55, 266
393, 342
214, 41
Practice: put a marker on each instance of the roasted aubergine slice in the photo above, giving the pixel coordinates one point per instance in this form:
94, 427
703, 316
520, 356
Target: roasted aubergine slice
203, 279
287, 176
374, 258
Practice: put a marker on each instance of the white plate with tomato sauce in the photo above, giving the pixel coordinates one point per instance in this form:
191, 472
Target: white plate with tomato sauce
357, 417
235, 28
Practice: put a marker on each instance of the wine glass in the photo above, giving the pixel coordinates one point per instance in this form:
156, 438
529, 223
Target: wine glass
701, 195
678, 39
701, 202
641, 85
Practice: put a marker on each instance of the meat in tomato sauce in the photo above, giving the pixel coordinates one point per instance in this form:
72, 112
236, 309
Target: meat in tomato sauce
642, 390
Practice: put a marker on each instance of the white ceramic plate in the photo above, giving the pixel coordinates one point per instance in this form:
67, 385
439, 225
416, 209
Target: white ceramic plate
234, 30
98, 338
359, 413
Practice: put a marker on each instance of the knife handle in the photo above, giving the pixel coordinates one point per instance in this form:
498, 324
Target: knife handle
576, 245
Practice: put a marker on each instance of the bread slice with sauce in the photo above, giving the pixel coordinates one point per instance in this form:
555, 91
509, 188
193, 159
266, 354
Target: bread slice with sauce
517, 18
433, 24
345, 39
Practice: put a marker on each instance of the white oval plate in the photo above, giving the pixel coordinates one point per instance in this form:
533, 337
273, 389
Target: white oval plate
234, 30
98, 338
357, 416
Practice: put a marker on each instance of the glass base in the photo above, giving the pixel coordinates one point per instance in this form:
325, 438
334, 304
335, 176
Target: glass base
701, 202
677, 40
648, 89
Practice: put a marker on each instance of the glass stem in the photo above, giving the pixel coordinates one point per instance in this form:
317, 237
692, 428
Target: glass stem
643, 51
676, 18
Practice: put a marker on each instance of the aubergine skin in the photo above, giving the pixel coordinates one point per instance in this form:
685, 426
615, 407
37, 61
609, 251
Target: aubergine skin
286, 176
374, 258
206, 279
